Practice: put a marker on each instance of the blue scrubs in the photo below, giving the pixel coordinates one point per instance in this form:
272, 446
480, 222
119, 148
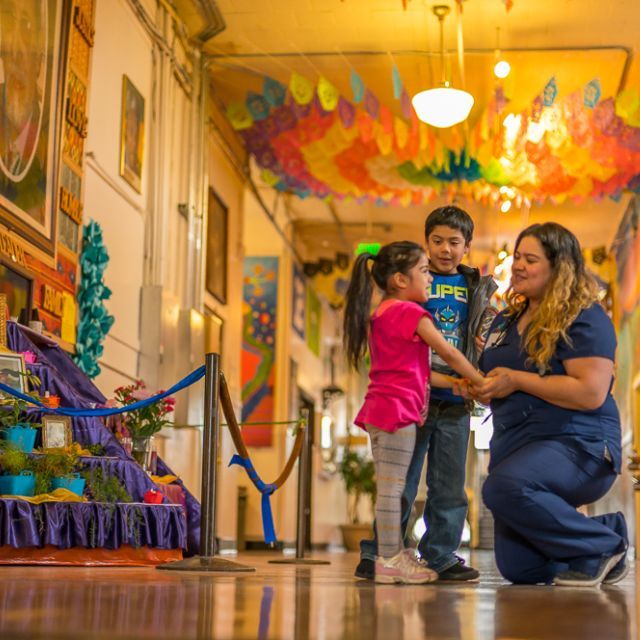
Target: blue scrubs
546, 461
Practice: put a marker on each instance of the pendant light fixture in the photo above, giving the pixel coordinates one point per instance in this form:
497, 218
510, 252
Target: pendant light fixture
442, 106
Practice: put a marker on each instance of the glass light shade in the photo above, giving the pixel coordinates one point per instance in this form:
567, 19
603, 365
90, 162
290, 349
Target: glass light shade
442, 107
502, 69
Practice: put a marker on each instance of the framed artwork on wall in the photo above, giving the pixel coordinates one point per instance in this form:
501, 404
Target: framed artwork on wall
216, 272
29, 117
56, 431
258, 357
314, 319
17, 288
298, 302
214, 332
132, 125
12, 371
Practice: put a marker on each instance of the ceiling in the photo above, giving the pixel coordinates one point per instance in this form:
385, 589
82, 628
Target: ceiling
573, 40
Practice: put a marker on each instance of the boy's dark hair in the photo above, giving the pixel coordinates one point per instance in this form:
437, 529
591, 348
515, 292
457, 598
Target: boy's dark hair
397, 257
450, 216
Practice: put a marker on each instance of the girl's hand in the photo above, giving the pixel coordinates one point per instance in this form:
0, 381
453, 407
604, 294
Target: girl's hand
499, 383
460, 387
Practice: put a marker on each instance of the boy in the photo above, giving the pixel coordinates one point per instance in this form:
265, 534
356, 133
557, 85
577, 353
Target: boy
459, 304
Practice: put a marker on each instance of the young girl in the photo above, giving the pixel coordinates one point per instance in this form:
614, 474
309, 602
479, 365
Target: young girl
400, 334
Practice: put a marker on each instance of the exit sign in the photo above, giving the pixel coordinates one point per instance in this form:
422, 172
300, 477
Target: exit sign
368, 247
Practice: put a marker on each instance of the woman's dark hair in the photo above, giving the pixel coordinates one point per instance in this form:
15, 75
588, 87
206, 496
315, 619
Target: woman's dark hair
558, 243
397, 257
450, 216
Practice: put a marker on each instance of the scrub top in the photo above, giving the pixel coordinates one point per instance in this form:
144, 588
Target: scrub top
521, 418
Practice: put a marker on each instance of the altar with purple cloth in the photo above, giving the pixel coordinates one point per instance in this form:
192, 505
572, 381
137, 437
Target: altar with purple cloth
82, 532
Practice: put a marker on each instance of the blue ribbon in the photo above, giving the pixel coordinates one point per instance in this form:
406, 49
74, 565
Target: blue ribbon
266, 490
187, 381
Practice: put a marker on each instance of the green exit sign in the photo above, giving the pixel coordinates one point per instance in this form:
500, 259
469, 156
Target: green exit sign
368, 247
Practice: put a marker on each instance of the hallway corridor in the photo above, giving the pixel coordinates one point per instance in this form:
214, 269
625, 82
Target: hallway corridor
285, 602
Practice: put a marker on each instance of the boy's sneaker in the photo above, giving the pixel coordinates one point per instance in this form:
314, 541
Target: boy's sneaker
573, 578
459, 572
405, 568
366, 569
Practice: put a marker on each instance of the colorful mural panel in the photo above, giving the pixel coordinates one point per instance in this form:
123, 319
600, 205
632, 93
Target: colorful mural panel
260, 297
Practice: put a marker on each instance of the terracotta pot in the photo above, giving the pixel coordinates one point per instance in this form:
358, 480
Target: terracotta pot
353, 533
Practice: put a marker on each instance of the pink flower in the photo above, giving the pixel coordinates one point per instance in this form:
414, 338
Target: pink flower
141, 394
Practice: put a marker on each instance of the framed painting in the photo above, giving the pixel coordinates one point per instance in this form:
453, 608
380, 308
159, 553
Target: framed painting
258, 357
18, 289
132, 125
314, 319
30, 114
298, 302
56, 432
217, 233
12, 371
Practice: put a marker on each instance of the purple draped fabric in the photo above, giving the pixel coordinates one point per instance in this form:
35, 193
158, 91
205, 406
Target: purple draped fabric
60, 376
91, 524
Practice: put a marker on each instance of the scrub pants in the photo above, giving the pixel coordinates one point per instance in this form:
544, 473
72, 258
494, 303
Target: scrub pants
533, 495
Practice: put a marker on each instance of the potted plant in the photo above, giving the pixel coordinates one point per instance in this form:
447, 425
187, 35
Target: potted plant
358, 473
17, 478
142, 424
55, 469
16, 424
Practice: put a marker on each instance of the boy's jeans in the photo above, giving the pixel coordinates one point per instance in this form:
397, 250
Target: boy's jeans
443, 439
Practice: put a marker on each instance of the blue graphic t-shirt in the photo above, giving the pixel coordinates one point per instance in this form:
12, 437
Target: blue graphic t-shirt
449, 305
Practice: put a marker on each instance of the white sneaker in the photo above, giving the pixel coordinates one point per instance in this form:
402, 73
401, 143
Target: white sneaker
405, 568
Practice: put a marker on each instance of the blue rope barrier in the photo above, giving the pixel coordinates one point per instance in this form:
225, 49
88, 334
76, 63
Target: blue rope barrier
187, 381
266, 490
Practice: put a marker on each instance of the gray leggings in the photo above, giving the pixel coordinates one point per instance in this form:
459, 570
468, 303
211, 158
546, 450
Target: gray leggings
392, 454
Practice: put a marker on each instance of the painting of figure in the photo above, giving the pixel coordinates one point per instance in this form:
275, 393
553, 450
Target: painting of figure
132, 135
29, 43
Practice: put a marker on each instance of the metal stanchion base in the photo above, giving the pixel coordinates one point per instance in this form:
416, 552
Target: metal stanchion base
298, 561
199, 563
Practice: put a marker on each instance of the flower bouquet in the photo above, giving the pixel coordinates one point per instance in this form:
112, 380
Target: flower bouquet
140, 425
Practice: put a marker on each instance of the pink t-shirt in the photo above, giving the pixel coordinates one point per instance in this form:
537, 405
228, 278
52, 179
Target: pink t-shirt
400, 368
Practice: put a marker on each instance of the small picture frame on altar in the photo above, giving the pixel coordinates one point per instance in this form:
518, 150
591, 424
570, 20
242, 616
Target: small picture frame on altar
56, 431
12, 371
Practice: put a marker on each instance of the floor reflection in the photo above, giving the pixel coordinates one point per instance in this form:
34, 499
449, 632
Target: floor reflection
298, 603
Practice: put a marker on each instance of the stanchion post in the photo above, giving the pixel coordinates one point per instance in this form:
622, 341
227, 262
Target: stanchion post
303, 486
210, 456
304, 477
207, 561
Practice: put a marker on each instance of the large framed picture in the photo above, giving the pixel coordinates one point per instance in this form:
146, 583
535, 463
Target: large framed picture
216, 272
132, 126
56, 431
30, 117
12, 372
17, 288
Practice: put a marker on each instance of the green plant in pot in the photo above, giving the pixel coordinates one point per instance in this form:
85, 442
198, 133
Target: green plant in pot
17, 477
358, 474
16, 424
56, 469
143, 423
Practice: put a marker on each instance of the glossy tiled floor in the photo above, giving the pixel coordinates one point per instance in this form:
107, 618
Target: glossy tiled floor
289, 602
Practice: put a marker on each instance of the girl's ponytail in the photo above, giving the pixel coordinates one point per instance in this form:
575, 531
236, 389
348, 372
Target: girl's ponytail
357, 309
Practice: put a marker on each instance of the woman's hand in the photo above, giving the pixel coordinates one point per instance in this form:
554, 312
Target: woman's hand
499, 383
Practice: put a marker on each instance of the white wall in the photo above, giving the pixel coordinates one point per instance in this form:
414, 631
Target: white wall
108, 198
